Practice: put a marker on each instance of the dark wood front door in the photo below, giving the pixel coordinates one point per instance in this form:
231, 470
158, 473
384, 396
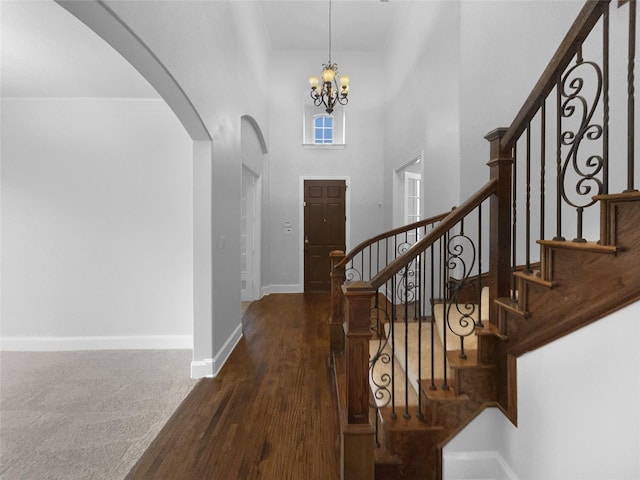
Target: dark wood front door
324, 230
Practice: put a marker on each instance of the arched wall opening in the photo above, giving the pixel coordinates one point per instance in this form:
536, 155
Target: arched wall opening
253, 150
105, 23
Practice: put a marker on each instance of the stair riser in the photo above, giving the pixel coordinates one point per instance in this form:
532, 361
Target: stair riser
619, 218
421, 456
477, 383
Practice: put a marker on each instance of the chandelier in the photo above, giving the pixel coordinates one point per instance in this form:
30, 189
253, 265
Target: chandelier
329, 93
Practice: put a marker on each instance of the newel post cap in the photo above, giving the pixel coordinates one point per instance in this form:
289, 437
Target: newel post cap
497, 152
358, 288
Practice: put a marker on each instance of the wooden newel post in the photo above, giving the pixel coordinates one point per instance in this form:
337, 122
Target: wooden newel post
357, 443
500, 164
336, 333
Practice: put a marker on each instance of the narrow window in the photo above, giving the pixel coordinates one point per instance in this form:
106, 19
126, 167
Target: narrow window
412, 197
322, 129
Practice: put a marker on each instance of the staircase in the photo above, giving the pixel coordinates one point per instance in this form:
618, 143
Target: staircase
428, 320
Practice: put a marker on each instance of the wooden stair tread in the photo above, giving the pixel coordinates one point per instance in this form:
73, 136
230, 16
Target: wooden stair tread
492, 330
440, 394
534, 276
582, 246
635, 195
471, 361
401, 424
511, 305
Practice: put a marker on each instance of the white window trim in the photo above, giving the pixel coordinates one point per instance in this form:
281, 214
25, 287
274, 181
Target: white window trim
339, 129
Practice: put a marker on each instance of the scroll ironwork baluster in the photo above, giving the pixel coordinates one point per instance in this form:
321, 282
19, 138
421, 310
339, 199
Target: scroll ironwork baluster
377, 420
455, 299
581, 99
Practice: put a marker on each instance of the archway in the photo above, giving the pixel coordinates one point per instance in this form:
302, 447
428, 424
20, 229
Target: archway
105, 23
252, 151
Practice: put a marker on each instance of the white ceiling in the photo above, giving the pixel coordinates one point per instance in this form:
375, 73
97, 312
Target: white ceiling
356, 25
45, 51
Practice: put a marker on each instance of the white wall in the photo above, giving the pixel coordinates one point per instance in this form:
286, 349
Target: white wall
96, 224
360, 160
502, 56
422, 106
578, 408
204, 46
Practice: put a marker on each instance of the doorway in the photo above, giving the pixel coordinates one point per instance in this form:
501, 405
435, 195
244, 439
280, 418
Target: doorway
249, 236
324, 230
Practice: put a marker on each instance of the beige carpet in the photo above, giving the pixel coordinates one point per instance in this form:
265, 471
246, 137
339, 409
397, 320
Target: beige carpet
85, 415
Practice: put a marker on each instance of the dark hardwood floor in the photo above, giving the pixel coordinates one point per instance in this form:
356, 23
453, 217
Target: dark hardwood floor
271, 412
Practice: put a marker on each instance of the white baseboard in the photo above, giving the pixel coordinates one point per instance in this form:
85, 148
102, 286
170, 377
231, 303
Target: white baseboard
202, 368
294, 288
61, 344
480, 465
210, 367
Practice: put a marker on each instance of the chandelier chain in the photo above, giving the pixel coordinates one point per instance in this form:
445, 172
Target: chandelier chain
329, 31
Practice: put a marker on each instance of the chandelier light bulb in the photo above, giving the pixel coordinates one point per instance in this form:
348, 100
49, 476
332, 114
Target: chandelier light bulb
328, 74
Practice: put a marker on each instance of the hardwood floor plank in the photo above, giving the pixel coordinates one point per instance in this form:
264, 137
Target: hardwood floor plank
271, 412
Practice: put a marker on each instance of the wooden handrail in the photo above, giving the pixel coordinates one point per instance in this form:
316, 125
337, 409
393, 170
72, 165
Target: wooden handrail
584, 23
445, 225
405, 228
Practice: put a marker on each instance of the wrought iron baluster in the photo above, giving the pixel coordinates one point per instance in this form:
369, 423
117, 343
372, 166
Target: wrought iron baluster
393, 347
445, 310
375, 405
558, 236
543, 157
631, 98
419, 314
605, 101
432, 386
406, 342
581, 100
456, 293
527, 235
514, 222
479, 323
462, 353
